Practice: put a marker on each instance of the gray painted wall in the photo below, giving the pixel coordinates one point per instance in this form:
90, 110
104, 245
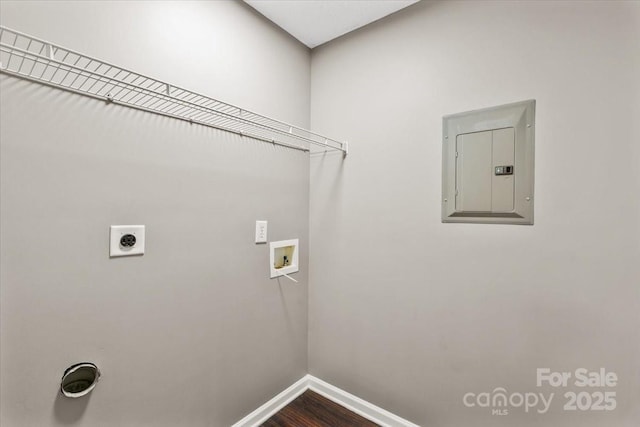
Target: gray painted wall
405, 311
410, 313
193, 333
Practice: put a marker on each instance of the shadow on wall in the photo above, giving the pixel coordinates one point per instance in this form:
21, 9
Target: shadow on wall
69, 411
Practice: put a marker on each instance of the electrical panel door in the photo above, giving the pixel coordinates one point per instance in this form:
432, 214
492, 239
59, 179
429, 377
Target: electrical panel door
488, 164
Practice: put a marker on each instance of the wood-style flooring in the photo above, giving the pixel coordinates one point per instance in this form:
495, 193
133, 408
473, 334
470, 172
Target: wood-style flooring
312, 410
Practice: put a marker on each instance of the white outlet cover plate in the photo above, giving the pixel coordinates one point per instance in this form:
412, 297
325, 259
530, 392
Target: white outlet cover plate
117, 231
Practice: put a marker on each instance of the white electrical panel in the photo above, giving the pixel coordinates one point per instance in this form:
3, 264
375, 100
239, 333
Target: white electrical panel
484, 171
487, 168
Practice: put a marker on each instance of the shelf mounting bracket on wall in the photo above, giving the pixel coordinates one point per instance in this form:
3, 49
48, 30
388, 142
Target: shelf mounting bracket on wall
30, 58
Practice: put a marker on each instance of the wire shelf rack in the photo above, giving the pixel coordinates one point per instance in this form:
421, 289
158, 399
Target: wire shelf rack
34, 59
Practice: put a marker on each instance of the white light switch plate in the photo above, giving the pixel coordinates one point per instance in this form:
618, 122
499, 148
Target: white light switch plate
261, 231
126, 240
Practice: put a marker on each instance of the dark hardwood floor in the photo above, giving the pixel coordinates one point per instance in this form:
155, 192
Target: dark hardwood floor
312, 410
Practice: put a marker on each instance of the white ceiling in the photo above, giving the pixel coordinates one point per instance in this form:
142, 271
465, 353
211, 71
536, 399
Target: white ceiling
315, 22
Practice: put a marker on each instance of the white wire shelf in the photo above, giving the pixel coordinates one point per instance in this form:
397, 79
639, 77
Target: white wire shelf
34, 59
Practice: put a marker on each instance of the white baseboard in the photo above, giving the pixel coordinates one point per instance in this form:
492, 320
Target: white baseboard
359, 406
263, 413
308, 382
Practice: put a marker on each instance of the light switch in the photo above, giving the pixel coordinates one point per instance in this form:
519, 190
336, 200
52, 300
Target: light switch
487, 165
261, 231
